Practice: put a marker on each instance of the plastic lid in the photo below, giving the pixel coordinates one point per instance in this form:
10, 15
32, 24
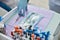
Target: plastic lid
12, 34
16, 30
20, 31
38, 38
32, 35
16, 27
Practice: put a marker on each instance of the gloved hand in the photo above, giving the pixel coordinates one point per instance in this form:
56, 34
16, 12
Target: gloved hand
22, 7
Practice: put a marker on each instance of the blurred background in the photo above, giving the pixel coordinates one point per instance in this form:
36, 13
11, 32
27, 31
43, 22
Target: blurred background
13, 3
48, 4
40, 3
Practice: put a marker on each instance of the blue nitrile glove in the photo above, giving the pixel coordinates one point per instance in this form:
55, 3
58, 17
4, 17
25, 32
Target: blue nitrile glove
1, 18
22, 5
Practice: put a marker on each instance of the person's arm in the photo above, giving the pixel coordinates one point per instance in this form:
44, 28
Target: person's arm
21, 6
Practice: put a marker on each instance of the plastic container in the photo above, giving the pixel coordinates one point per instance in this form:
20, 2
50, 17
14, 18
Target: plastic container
9, 18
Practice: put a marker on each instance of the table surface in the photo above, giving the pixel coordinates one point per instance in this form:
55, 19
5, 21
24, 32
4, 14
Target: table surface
40, 3
2, 11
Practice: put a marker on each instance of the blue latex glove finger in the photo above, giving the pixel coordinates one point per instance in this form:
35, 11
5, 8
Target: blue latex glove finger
22, 5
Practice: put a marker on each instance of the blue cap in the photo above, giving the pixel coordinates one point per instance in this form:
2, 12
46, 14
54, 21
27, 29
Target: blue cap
1, 18
37, 34
24, 32
30, 31
34, 29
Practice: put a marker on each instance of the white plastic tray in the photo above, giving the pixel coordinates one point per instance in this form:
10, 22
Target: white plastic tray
50, 25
